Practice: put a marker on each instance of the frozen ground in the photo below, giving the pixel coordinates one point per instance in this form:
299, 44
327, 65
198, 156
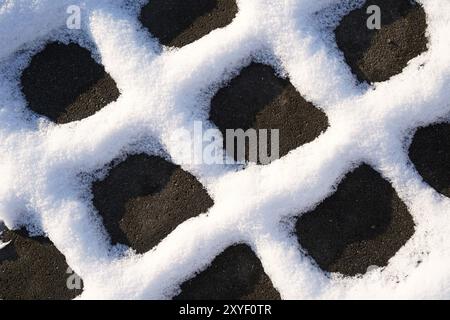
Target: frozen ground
163, 90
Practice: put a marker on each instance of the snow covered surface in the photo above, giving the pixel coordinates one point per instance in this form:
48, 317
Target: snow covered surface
163, 90
3, 245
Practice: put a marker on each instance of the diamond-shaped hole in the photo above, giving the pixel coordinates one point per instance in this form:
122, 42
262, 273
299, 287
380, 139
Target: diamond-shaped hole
258, 99
65, 84
377, 55
362, 225
32, 268
177, 23
430, 153
235, 274
145, 198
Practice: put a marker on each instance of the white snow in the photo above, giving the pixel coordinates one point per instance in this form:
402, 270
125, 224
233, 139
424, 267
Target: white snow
3, 244
163, 90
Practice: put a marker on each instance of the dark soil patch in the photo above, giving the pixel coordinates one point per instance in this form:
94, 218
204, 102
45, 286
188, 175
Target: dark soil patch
363, 224
236, 274
145, 198
65, 84
177, 23
258, 99
32, 268
430, 153
377, 55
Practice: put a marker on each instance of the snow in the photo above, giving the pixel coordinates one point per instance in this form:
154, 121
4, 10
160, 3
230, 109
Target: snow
164, 90
3, 245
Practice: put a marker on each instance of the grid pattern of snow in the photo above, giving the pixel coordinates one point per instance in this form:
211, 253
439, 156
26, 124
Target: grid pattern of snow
163, 90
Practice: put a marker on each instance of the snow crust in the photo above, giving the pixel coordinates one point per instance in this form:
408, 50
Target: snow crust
164, 90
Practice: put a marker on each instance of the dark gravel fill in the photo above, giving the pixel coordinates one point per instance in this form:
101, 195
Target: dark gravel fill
258, 99
177, 23
430, 153
145, 198
65, 84
32, 268
377, 55
363, 224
